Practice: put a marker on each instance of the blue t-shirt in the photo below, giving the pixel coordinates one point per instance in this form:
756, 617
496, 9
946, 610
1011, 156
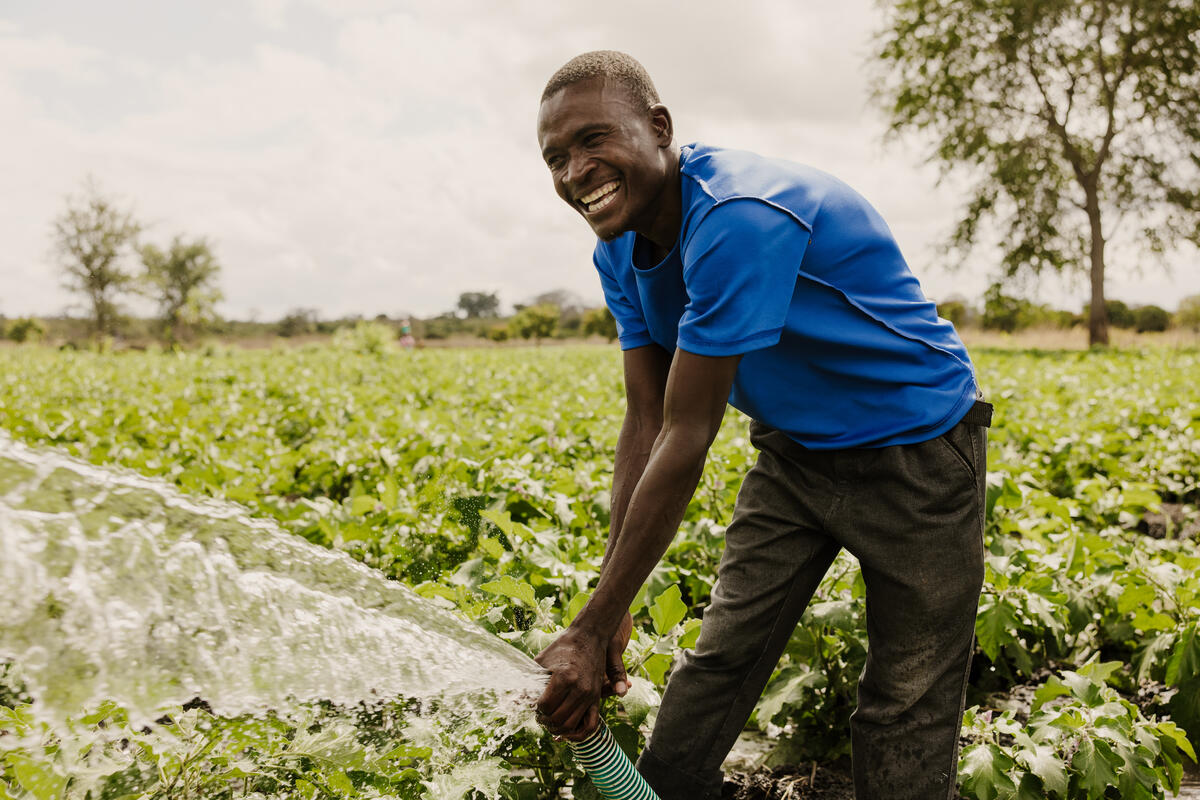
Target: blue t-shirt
794, 270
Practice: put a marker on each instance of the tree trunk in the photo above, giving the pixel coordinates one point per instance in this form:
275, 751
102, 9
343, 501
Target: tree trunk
1098, 319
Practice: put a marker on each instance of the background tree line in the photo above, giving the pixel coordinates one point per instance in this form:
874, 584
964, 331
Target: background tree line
95, 242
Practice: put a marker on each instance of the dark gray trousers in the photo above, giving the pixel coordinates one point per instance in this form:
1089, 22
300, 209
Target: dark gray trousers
913, 516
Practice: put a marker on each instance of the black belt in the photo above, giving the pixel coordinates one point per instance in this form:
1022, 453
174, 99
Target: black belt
979, 414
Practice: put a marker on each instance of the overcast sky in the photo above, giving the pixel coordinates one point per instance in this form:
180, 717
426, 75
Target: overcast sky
365, 156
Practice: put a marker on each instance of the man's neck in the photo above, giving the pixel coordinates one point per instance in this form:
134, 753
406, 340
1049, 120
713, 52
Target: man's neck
662, 231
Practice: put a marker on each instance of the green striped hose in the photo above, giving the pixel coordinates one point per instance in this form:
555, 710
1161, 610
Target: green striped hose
611, 772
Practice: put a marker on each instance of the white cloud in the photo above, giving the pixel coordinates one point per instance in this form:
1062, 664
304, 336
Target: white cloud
375, 156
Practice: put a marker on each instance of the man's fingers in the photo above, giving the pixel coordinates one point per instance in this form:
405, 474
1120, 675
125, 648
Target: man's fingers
591, 721
618, 681
552, 697
557, 715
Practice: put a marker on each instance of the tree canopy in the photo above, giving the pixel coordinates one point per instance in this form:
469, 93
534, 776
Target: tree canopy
479, 305
1078, 119
93, 238
183, 281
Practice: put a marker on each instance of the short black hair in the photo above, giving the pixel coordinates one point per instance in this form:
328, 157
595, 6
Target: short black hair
611, 65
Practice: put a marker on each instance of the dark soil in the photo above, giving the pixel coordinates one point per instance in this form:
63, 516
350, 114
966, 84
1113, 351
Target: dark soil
1172, 521
805, 782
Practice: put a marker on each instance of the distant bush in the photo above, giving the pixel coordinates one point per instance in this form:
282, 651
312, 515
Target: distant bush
599, 321
368, 338
1151, 319
1003, 312
297, 322
535, 322
1188, 315
498, 333
953, 310
25, 329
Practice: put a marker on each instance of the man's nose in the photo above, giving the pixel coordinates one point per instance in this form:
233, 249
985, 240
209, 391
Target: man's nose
577, 168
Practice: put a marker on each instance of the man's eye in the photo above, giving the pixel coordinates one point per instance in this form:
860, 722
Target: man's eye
554, 163
594, 139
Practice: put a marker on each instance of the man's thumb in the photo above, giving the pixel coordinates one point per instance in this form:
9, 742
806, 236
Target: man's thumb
616, 674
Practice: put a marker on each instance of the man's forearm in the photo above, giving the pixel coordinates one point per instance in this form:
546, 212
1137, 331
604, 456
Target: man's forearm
656, 507
634, 445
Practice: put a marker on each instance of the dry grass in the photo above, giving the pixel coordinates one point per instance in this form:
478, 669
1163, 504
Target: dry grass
1075, 338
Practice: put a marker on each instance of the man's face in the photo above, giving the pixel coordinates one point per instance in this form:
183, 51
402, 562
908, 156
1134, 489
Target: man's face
610, 159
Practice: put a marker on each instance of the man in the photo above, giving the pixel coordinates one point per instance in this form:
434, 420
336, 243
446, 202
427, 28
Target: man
778, 289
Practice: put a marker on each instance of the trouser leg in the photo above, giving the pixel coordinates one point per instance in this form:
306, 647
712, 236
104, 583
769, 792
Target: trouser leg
918, 534
775, 556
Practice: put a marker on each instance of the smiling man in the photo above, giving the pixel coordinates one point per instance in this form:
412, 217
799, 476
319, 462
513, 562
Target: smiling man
778, 289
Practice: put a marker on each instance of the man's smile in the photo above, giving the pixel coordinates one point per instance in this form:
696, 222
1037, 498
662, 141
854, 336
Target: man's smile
599, 198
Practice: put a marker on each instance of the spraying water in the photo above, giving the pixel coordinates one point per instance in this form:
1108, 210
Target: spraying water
116, 587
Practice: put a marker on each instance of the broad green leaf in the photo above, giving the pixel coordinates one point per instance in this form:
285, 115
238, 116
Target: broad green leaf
1184, 727
1093, 767
508, 586
390, 492
785, 689
1052, 688
668, 610
983, 772
691, 633
834, 613
1184, 663
994, 626
1135, 596
578, 601
37, 777
501, 519
1153, 621
639, 701
1100, 671
340, 782
491, 547
363, 504
1044, 762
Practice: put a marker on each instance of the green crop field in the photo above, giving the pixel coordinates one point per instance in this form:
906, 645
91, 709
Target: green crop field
482, 477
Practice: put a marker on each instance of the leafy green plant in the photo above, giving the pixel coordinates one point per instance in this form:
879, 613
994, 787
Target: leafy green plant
1082, 741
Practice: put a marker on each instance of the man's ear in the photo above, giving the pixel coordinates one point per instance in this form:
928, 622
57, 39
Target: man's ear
661, 124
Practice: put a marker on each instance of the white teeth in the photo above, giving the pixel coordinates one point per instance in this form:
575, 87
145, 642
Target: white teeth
602, 203
591, 197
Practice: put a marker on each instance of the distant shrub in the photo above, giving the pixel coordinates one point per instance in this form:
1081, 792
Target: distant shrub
25, 329
599, 321
1003, 312
368, 338
1188, 315
535, 322
1119, 314
498, 333
297, 322
953, 310
1151, 319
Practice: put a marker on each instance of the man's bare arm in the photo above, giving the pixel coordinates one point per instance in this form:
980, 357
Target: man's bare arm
694, 405
646, 371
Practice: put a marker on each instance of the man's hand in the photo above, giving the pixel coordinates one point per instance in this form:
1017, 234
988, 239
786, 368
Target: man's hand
616, 681
570, 705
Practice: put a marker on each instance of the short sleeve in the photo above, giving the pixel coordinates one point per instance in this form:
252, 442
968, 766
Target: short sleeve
740, 268
631, 325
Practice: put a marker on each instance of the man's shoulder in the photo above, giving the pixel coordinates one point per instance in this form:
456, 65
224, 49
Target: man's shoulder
726, 173
720, 175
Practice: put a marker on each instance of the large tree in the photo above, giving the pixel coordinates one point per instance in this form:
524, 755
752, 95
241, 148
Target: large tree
183, 281
479, 305
1078, 120
93, 239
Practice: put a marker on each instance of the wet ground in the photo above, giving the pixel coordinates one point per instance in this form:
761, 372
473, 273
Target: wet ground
805, 782
828, 783
746, 780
